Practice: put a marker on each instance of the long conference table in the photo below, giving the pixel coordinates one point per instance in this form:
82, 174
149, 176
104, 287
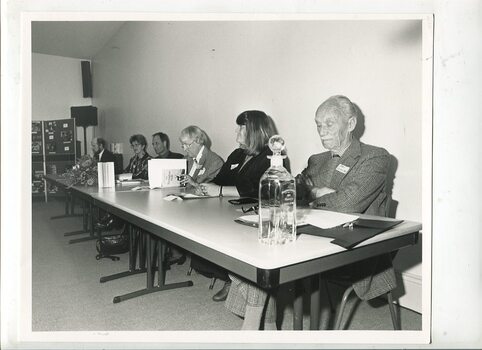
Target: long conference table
206, 227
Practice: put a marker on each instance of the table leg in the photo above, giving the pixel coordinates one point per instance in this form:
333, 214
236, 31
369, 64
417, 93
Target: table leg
298, 307
142, 250
67, 214
72, 204
161, 272
315, 303
67, 200
132, 260
150, 288
86, 224
91, 222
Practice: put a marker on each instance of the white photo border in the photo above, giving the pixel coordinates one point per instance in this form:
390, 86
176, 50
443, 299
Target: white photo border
192, 339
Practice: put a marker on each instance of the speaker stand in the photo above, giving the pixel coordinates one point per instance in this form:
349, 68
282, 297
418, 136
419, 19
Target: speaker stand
85, 139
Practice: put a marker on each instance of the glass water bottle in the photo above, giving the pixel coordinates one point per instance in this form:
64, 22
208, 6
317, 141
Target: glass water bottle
277, 199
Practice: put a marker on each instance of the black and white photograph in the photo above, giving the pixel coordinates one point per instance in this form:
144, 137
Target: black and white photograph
217, 178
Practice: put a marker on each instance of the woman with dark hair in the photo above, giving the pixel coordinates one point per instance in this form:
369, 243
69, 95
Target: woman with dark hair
138, 163
239, 177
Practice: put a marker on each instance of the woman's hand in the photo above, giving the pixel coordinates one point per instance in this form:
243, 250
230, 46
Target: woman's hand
210, 189
186, 179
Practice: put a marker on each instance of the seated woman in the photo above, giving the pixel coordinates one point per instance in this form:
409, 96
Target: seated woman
138, 163
202, 166
239, 177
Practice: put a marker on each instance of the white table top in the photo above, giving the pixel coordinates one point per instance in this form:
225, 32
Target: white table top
210, 222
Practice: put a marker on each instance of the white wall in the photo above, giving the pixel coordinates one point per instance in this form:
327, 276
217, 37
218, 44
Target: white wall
57, 86
166, 75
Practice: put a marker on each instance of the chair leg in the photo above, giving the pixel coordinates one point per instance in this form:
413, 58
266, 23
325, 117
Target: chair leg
213, 280
342, 307
393, 312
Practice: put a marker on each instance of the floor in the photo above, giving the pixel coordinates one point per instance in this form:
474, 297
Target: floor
67, 295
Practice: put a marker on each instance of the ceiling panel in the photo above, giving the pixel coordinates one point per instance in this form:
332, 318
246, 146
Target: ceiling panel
72, 39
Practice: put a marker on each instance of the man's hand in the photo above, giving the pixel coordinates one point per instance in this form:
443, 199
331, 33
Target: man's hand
304, 180
317, 192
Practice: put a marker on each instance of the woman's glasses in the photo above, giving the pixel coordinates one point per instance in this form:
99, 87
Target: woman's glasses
253, 208
185, 145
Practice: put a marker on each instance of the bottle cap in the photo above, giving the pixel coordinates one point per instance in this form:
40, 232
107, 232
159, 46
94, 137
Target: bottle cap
276, 144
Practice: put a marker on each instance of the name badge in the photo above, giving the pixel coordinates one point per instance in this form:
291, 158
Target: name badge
234, 166
342, 168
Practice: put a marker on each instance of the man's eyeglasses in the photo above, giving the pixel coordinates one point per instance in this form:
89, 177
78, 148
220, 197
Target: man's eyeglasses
253, 208
134, 145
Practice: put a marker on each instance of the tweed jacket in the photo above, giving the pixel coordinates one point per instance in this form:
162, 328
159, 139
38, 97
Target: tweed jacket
207, 168
359, 181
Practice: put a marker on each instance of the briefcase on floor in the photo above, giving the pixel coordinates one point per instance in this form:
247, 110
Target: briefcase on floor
110, 245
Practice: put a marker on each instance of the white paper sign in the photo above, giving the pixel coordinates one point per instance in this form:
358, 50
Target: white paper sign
165, 172
105, 173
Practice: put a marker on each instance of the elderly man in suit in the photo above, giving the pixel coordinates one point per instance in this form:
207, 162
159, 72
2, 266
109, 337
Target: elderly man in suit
349, 177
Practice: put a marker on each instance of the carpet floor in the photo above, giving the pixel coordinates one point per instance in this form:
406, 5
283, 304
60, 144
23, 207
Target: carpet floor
67, 295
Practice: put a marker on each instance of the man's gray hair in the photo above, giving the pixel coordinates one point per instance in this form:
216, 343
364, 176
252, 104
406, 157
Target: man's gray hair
339, 105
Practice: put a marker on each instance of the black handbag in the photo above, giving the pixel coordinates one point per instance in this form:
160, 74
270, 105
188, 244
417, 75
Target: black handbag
109, 245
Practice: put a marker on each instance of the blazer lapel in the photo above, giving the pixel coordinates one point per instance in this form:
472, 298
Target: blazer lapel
190, 163
347, 161
322, 173
202, 161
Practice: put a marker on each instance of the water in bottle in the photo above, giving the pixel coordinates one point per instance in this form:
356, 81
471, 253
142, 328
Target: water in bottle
277, 199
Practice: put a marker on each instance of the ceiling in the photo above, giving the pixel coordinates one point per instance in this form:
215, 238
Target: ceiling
72, 39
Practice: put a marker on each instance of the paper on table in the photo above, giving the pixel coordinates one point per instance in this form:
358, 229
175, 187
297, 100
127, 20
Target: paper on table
172, 197
254, 219
327, 219
190, 196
